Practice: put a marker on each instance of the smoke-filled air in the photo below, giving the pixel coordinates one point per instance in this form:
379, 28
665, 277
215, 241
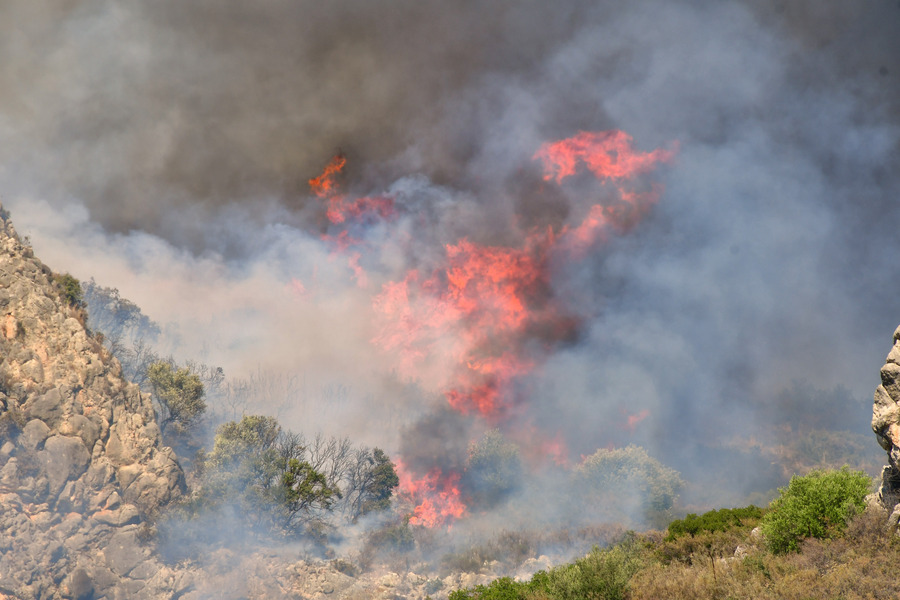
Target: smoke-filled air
512, 245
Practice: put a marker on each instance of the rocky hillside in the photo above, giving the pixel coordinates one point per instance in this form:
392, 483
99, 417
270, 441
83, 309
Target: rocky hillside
81, 463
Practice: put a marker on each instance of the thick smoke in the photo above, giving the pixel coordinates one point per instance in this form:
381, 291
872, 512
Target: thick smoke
164, 148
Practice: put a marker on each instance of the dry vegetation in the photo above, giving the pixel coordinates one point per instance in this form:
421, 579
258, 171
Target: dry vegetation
733, 566
722, 555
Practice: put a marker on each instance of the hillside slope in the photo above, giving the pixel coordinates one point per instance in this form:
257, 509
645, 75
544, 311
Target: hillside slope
81, 462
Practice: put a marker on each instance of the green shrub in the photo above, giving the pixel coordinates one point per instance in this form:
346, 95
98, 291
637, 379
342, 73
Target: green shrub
499, 589
631, 470
601, 575
817, 505
493, 470
178, 392
69, 290
714, 520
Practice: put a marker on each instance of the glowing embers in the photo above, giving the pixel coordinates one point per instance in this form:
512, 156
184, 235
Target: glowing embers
436, 496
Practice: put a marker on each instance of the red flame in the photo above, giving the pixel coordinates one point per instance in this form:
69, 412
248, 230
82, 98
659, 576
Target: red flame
607, 154
468, 311
340, 209
477, 308
324, 185
636, 418
437, 495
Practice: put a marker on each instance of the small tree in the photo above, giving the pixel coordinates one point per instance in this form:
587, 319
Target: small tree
816, 505
631, 470
179, 393
370, 483
493, 469
69, 290
262, 469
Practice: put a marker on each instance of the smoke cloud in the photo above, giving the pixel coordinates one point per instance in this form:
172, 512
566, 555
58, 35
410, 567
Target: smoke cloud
165, 149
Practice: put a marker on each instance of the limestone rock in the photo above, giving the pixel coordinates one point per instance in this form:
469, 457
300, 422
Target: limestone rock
886, 426
81, 458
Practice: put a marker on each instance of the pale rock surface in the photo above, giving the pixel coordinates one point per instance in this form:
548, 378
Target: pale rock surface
886, 425
72, 431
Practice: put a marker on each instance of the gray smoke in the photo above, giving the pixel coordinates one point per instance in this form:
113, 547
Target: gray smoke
164, 148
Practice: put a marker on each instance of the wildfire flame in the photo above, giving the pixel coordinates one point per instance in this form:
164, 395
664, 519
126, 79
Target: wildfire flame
437, 495
484, 305
606, 154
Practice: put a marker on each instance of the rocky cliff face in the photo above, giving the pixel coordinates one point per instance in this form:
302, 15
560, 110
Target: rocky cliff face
81, 462
886, 425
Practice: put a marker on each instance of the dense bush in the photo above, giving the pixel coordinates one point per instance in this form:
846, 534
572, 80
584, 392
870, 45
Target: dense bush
714, 520
817, 505
178, 393
283, 483
493, 470
69, 290
601, 575
630, 474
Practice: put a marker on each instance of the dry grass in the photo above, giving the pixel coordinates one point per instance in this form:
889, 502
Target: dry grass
860, 565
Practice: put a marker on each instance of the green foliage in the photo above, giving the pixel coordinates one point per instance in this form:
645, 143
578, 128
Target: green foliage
631, 470
493, 469
299, 489
69, 290
179, 393
714, 520
601, 575
375, 482
499, 589
261, 469
817, 505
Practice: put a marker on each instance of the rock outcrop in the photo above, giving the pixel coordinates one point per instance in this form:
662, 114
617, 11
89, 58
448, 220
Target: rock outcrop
886, 425
81, 460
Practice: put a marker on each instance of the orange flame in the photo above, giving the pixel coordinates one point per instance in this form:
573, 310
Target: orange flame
340, 209
478, 300
606, 154
325, 184
476, 309
636, 418
438, 496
